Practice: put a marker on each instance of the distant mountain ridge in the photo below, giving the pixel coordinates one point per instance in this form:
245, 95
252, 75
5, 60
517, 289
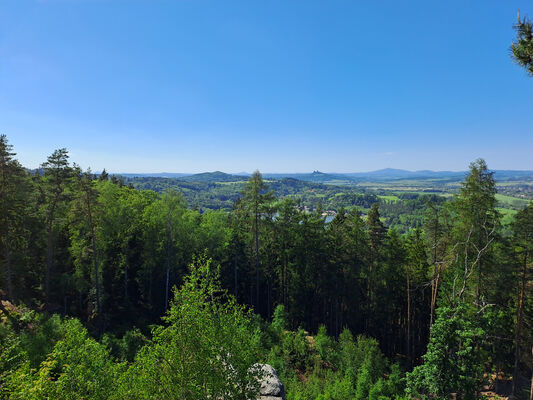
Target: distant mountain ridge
392, 173
315, 176
152, 175
216, 176
385, 174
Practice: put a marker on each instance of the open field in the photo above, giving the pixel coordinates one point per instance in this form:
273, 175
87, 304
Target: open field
511, 202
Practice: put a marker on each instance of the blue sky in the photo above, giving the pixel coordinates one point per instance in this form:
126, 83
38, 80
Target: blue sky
282, 86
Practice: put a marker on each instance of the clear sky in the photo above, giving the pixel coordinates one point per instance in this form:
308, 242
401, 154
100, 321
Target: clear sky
278, 85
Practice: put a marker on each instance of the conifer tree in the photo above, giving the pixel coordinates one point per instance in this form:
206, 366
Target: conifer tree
255, 200
436, 229
376, 237
475, 230
13, 197
85, 247
56, 177
523, 246
522, 49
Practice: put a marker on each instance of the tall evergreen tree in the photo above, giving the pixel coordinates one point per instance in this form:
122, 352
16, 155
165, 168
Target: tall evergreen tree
254, 202
167, 236
417, 271
475, 231
376, 238
86, 244
56, 178
437, 236
13, 197
523, 246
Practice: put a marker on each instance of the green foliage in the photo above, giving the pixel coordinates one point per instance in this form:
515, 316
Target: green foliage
77, 367
322, 367
16, 202
125, 348
452, 362
206, 349
105, 253
41, 339
364, 380
279, 319
326, 346
296, 350
522, 49
12, 356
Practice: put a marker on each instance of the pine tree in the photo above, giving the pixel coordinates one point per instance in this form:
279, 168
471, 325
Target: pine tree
13, 196
255, 201
376, 237
437, 236
523, 246
57, 174
85, 243
475, 230
522, 49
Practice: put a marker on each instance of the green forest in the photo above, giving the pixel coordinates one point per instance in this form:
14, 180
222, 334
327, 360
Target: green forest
114, 292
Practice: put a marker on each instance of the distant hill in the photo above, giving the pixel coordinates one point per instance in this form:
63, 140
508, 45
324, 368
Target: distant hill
213, 177
153, 175
391, 173
510, 175
382, 175
398, 174
315, 177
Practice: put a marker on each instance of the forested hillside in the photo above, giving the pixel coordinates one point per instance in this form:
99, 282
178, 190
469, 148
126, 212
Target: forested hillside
349, 308
402, 202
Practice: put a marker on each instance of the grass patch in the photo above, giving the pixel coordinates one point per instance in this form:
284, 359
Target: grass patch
509, 202
389, 197
507, 215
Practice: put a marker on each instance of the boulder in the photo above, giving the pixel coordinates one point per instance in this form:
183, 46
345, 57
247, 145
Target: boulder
271, 386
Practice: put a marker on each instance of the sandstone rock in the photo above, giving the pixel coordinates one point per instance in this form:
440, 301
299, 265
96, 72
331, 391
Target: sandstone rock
271, 386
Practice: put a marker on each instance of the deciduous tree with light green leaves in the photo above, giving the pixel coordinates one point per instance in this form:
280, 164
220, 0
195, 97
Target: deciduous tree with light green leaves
205, 350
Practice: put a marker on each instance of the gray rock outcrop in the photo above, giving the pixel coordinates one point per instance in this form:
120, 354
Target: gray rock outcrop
271, 386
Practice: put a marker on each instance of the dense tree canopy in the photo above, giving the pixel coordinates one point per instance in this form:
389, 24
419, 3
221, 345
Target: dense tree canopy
89, 263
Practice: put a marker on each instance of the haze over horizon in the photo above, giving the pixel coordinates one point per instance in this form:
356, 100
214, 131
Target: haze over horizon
245, 173
236, 86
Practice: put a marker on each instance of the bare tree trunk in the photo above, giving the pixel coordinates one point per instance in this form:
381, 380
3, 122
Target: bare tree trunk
531, 388
150, 279
95, 259
49, 257
368, 319
268, 296
284, 281
432, 305
49, 252
236, 286
169, 243
256, 258
7, 256
166, 284
126, 281
434, 293
478, 289
408, 315
518, 325
435, 280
